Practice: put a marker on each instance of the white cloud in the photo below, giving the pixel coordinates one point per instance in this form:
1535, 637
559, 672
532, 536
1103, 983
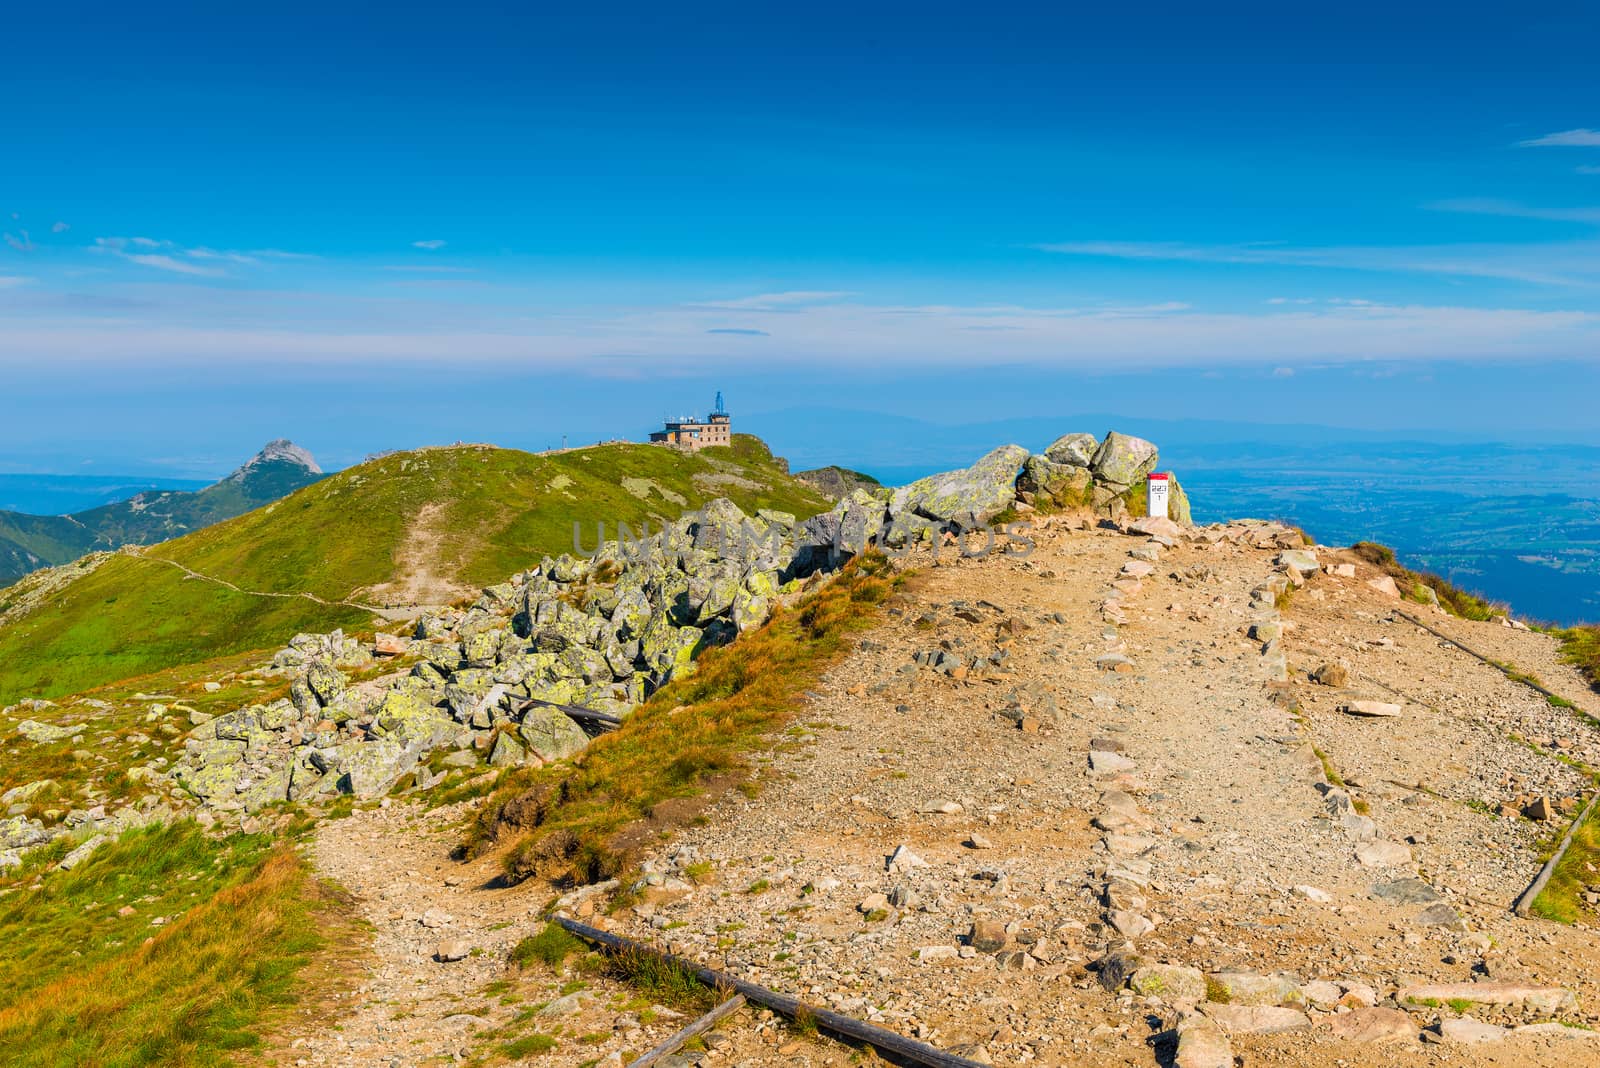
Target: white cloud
161, 261
21, 244
1572, 263
430, 245
260, 327
428, 268
1579, 138
1283, 372
213, 254
168, 256
7, 281
60, 228
1588, 169
775, 301
1491, 206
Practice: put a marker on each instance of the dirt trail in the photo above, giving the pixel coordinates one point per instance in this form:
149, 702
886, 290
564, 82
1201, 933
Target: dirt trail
1233, 844
139, 552
416, 580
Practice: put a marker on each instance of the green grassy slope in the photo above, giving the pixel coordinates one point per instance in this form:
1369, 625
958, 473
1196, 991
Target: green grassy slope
486, 513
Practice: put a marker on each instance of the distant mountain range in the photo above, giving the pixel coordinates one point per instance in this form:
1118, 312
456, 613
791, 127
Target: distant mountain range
29, 542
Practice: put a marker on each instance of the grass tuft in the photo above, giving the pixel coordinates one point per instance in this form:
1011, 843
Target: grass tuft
551, 946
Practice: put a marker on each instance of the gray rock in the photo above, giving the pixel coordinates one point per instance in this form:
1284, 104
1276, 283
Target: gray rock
452, 949
1123, 460
549, 733
976, 493
20, 832
44, 733
1073, 450
369, 769
1441, 915
1405, 892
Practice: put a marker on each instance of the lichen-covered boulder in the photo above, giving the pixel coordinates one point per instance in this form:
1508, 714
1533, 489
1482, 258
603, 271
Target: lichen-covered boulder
44, 733
325, 681
369, 769
862, 518
20, 832
631, 613
466, 691
1178, 509
750, 610
207, 781
978, 492
235, 726
411, 716
1073, 450
432, 628
269, 790
481, 648
507, 752
307, 780
667, 649
1056, 484
1123, 460
278, 715
550, 734
712, 595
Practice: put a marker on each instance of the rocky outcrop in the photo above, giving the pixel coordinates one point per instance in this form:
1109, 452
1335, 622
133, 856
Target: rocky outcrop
1103, 477
837, 483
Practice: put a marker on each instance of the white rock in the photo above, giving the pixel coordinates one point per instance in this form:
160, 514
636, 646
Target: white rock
1467, 1029
905, 860
1382, 854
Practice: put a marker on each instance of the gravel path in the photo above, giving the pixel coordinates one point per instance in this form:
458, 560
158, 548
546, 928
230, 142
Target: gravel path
937, 794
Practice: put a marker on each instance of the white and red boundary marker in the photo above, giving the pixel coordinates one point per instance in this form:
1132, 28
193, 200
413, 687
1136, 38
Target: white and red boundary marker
1159, 486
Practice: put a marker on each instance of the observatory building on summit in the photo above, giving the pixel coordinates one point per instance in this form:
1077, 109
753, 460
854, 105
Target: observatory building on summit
693, 433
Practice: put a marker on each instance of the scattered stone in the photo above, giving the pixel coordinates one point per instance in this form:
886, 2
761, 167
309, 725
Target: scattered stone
1170, 982
1376, 709
1201, 1044
1547, 999
1382, 854
1441, 915
1385, 585
1257, 1019
1409, 891
1372, 1025
987, 936
1332, 674
1467, 1029
453, 950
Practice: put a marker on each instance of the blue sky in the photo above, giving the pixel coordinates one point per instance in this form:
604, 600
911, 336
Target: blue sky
222, 221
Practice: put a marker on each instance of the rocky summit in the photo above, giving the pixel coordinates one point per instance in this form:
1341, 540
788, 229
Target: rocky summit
994, 761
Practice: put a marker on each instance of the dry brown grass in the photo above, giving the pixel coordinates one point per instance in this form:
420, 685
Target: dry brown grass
195, 992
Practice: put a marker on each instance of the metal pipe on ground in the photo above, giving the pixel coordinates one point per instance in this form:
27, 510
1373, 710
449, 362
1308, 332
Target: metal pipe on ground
896, 1047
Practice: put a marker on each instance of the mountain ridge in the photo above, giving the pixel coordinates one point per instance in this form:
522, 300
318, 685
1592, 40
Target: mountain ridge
29, 542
